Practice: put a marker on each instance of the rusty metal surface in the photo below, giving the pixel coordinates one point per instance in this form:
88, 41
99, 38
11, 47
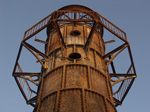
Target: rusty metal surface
78, 85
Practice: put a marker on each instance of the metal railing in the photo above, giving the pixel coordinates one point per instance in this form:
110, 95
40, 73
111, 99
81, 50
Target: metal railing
64, 15
24, 85
112, 28
123, 89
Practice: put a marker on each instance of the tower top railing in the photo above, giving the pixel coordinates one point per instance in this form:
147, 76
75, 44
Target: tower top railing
77, 16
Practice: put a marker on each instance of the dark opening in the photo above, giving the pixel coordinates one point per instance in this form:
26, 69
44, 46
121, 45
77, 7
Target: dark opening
75, 33
74, 56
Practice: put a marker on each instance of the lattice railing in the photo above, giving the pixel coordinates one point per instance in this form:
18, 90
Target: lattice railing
24, 85
112, 28
65, 15
124, 87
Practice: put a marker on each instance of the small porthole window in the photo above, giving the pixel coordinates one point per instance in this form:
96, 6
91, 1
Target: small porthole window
75, 33
73, 56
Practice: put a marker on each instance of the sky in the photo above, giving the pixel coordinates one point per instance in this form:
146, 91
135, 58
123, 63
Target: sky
132, 16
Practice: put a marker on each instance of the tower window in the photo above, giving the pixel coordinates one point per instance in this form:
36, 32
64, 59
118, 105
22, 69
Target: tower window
73, 56
75, 33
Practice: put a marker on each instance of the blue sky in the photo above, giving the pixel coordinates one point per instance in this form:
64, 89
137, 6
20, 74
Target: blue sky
132, 16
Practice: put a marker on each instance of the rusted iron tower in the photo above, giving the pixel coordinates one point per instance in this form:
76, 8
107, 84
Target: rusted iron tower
75, 73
